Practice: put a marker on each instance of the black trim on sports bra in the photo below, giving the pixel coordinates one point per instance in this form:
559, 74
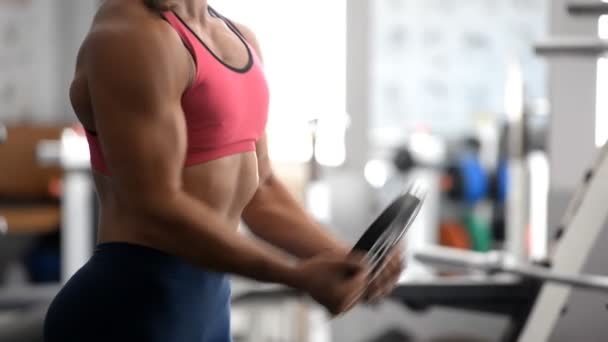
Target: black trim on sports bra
228, 22
93, 133
242, 70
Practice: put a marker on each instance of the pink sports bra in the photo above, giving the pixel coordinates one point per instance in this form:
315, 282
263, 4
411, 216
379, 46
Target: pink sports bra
226, 108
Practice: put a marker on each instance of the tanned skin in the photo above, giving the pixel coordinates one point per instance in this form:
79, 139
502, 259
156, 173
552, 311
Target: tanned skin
131, 73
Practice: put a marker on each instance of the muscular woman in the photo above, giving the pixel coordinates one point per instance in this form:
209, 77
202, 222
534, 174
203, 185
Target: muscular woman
174, 101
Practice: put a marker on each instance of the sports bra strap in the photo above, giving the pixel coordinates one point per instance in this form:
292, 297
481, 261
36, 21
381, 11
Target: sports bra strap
228, 22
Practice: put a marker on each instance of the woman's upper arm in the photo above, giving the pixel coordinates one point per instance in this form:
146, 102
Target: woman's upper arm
135, 86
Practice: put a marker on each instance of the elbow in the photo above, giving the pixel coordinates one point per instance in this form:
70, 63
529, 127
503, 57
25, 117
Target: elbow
266, 177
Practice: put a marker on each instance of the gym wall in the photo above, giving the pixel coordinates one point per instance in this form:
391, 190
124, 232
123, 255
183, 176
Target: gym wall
442, 63
38, 44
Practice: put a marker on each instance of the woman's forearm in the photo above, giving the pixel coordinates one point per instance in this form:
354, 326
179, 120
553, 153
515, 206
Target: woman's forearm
275, 216
187, 228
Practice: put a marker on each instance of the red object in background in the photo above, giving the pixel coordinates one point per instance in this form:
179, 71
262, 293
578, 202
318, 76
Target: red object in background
55, 187
455, 235
446, 183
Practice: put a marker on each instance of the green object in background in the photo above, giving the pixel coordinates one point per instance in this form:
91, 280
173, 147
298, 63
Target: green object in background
479, 232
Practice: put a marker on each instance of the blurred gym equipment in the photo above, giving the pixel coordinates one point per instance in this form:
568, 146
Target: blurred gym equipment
3, 134
3, 223
531, 282
389, 228
71, 154
582, 224
588, 8
420, 160
508, 286
501, 263
27, 207
545, 297
578, 79
29, 216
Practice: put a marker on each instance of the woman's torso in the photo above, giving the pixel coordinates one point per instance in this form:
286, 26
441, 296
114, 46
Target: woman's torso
225, 184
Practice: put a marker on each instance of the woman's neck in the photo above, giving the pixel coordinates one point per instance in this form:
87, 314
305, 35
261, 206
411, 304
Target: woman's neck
195, 10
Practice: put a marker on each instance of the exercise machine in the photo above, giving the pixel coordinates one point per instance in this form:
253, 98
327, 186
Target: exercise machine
3, 224
561, 313
77, 217
582, 225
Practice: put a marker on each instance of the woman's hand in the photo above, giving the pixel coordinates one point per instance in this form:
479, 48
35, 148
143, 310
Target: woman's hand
387, 279
334, 280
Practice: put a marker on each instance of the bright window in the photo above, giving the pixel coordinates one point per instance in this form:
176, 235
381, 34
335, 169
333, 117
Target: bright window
304, 49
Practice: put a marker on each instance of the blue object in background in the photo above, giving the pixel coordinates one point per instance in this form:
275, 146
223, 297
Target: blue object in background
502, 180
474, 178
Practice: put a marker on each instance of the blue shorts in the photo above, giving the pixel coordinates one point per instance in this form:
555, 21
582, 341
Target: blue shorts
128, 292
